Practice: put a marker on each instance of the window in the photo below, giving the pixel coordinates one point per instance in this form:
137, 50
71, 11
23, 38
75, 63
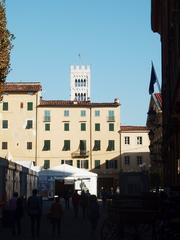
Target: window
69, 162
97, 113
66, 146
82, 145
111, 145
97, 164
139, 160
83, 126
75, 82
5, 106
21, 105
4, 123
30, 106
82, 164
83, 113
111, 164
47, 126
46, 164
66, 126
111, 126
29, 124
126, 160
110, 115
29, 145
127, 140
66, 113
47, 116
97, 145
4, 145
97, 126
47, 145
139, 140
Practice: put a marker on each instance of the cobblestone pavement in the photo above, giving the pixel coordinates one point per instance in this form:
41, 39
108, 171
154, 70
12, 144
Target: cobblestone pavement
72, 228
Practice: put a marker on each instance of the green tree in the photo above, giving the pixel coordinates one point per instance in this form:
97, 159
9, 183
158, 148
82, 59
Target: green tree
5, 46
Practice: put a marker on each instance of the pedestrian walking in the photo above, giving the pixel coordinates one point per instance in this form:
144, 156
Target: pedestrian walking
93, 213
35, 210
75, 203
11, 213
55, 214
84, 203
67, 195
19, 214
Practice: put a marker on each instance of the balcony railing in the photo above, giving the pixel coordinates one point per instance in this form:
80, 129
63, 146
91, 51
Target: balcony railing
111, 118
47, 118
80, 153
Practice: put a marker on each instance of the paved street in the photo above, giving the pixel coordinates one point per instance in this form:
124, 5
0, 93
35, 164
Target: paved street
72, 228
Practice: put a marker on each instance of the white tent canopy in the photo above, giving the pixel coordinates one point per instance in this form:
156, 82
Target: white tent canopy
66, 172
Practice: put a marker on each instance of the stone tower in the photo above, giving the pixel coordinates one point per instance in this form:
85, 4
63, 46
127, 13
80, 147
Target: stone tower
80, 82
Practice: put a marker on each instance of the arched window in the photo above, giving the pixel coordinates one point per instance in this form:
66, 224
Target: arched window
84, 82
84, 96
78, 96
75, 96
81, 96
75, 82
79, 84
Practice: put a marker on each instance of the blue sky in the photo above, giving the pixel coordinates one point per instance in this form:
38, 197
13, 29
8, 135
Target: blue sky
114, 37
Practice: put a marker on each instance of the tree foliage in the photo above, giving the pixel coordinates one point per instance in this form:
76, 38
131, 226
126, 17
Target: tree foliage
5, 44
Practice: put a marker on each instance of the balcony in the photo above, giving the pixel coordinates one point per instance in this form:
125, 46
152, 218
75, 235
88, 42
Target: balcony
80, 153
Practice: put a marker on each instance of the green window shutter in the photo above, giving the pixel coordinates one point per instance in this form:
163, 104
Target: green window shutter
78, 164
97, 126
46, 164
83, 113
5, 124
5, 106
97, 164
47, 145
66, 146
66, 126
47, 116
111, 126
82, 145
83, 126
111, 145
30, 106
47, 126
97, 145
29, 124
66, 113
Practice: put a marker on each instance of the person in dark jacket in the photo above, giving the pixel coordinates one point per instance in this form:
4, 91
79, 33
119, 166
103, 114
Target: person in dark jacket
76, 203
56, 213
35, 210
93, 213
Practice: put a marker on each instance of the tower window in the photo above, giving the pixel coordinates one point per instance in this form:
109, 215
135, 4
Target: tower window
75, 82
81, 82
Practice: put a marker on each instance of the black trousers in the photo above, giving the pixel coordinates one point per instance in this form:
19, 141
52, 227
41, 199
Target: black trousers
35, 225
